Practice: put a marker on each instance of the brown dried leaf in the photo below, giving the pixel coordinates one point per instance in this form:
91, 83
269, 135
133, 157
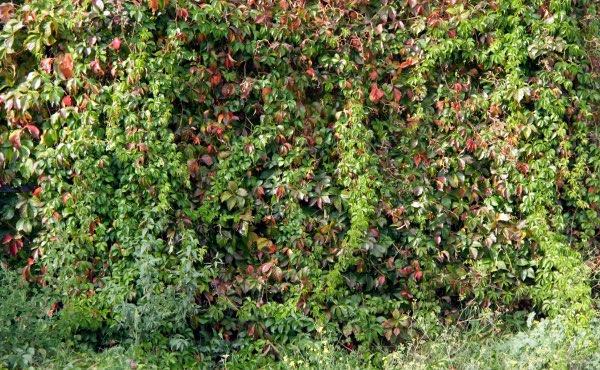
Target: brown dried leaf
66, 65
46, 65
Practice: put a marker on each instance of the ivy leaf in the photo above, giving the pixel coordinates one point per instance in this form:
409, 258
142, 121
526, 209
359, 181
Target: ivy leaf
15, 139
182, 13
46, 65
67, 101
280, 192
116, 43
207, 159
266, 267
23, 225
153, 5
418, 275
6, 11
407, 63
35, 132
266, 92
96, 67
376, 94
26, 273
397, 95
66, 65
7, 238
453, 180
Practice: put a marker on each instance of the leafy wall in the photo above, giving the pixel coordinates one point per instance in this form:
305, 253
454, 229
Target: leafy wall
243, 174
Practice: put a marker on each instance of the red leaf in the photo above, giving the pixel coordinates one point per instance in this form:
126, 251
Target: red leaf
193, 166
458, 87
116, 43
417, 159
15, 139
6, 12
7, 238
46, 65
153, 4
66, 65
406, 294
207, 159
92, 228
26, 273
182, 13
397, 95
229, 61
260, 19
53, 309
37, 191
376, 94
452, 34
35, 132
418, 275
279, 193
406, 271
433, 20
266, 267
215, 79
96, 68
67, 101
248, 148
266, 91
227, 89
311, 72
407, 63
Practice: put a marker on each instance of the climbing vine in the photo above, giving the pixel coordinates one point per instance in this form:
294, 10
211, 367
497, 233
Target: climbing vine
240, 175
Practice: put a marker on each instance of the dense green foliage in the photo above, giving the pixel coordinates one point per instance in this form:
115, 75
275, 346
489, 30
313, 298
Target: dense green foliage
241, 177
31, 339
